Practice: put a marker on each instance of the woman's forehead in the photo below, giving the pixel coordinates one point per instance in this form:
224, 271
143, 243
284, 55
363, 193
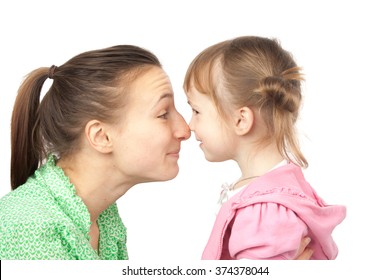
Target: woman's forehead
149, 88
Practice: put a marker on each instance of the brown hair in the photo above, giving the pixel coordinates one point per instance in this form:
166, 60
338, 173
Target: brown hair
88, 86
255, 72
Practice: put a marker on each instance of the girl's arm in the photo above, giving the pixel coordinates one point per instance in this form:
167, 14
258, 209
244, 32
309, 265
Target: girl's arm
268, 231
304, 252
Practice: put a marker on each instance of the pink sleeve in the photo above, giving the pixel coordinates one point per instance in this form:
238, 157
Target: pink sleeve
266, 231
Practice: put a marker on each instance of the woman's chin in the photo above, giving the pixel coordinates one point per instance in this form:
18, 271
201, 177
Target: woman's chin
171, 174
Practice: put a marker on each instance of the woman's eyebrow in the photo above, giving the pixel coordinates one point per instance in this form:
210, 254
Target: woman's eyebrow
165, 95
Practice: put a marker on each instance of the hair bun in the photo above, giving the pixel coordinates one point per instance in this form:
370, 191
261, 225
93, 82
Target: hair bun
279, 93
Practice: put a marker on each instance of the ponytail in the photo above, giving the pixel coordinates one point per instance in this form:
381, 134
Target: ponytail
84, 88
279, 97
26, 145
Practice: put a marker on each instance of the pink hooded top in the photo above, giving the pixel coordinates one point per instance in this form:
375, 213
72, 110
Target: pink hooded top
269, 217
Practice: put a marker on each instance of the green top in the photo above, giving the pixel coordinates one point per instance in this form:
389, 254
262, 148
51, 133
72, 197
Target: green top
45, 219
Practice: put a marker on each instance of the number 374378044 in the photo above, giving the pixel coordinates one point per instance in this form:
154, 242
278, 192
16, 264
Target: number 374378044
241, 270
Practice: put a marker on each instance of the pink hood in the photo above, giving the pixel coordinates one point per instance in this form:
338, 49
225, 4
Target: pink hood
268, 219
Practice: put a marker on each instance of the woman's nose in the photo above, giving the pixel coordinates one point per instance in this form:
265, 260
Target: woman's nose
183, 131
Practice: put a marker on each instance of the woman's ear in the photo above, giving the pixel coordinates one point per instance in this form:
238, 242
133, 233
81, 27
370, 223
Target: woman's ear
243, 120
97, 136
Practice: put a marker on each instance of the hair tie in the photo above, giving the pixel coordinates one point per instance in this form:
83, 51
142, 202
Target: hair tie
51, 71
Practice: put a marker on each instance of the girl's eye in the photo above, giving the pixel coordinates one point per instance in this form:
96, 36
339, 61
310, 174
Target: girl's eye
163, 116
195, 111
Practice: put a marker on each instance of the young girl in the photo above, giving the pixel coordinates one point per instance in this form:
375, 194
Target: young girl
245, 95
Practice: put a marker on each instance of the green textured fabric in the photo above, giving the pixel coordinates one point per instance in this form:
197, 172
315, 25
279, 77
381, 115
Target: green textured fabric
45, 219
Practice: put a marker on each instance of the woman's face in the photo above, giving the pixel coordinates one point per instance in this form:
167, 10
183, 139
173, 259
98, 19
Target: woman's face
147, 140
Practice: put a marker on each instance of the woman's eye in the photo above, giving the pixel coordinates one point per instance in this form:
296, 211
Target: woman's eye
195, 111
163, 116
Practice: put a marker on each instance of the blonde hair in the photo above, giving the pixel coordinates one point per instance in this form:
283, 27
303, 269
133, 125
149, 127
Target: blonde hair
255, 72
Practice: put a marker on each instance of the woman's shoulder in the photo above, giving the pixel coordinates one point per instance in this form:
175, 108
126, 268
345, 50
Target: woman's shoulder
38, 196
30, 203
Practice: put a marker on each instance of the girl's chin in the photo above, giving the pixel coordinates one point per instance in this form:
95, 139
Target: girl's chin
211, 158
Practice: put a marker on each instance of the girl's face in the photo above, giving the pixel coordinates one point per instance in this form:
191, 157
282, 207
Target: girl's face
216, 138
147, 140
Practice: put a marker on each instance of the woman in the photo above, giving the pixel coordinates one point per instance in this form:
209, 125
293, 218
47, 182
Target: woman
90, 139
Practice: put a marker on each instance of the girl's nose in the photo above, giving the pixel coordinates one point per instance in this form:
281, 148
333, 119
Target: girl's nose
191, 124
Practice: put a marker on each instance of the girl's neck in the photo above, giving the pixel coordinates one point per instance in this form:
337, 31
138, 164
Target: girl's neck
257, 161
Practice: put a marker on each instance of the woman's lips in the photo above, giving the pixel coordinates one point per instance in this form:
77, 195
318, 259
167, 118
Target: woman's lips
174, 154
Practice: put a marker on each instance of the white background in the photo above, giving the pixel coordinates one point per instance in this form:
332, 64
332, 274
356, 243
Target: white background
343, 47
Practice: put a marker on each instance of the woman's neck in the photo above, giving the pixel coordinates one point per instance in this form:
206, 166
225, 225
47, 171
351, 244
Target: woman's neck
95, 182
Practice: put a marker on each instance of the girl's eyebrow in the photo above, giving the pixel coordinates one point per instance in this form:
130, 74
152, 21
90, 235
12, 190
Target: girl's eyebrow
192, 105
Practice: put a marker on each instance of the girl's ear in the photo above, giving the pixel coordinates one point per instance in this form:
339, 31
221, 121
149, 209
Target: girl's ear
243, 120
97, 136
